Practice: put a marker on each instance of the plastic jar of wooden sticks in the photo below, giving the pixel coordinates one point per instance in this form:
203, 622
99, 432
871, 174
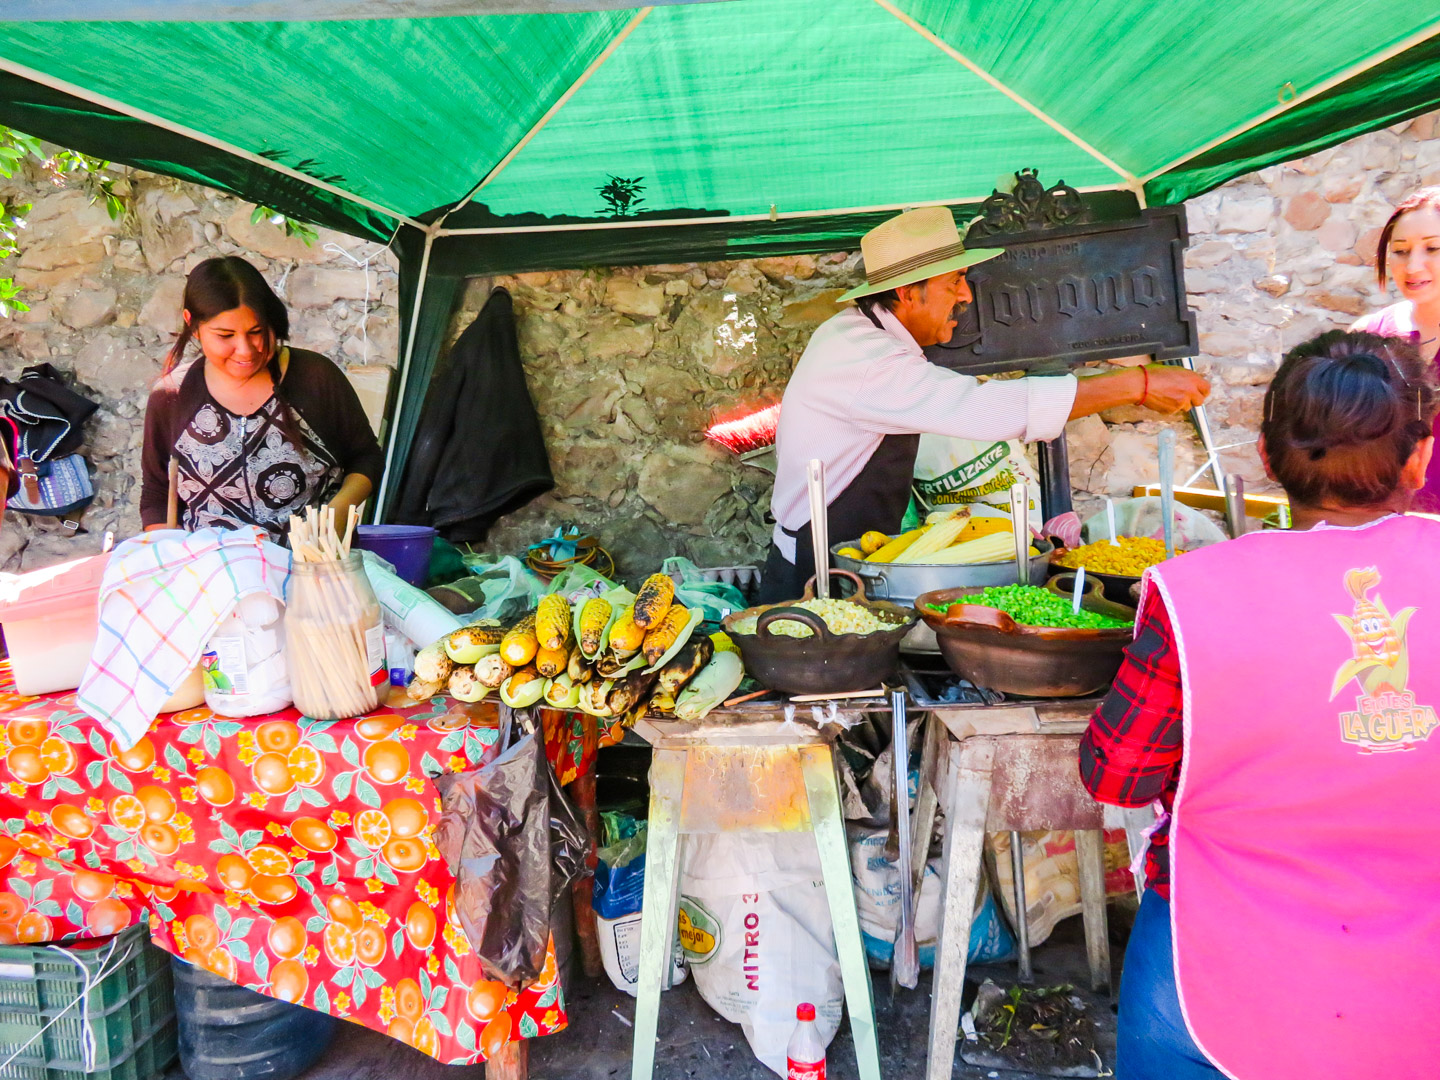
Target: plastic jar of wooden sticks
334, 637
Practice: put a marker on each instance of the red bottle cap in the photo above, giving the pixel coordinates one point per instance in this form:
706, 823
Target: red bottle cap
805, 1011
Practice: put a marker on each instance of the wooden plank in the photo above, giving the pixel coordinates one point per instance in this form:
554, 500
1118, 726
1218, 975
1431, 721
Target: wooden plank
823, 789
657, 927
582, 790
1256, 506
513, 1063
967, 802
1090, 854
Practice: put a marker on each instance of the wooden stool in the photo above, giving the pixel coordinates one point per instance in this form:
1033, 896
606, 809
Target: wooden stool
744, 773
1021, 775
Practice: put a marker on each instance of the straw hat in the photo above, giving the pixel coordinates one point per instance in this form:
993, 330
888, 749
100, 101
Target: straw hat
918, 244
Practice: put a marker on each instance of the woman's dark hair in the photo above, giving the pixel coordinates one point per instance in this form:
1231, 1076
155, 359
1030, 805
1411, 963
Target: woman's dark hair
1343, 415
223, 284
1416, 200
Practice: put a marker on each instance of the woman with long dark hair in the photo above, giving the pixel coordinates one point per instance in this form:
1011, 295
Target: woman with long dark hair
1280, 702
1408, 254
257, 429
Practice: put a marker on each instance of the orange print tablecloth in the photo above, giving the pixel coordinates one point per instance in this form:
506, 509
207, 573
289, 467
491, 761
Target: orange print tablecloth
290, 855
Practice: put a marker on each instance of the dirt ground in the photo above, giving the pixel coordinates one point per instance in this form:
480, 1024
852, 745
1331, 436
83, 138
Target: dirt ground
696, 1044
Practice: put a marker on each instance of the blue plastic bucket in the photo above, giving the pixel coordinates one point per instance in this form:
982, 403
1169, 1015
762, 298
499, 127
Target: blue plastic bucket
407, 547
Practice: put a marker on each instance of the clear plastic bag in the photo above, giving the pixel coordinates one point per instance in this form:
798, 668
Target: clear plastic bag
579, 583
1142, 517
715, 598
510, 587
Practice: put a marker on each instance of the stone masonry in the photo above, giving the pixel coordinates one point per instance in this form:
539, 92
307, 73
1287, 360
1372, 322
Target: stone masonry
105, 299
627, 366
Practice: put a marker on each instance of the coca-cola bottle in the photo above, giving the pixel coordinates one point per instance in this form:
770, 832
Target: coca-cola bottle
805, 1056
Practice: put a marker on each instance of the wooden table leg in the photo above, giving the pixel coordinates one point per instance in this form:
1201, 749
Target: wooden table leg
1090, 854
582, 790
657, 922
967, 804
513, 1063
827, 819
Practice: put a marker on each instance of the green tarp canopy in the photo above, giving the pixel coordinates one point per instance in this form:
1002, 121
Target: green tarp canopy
506, 135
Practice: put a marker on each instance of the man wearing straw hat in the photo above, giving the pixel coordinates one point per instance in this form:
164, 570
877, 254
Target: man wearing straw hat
863, 393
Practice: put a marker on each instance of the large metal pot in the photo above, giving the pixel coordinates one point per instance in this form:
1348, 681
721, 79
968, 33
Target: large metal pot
991, 649
824, 663
901, 583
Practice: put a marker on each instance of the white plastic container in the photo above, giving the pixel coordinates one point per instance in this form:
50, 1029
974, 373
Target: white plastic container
244, 661
51, 619
805, 1056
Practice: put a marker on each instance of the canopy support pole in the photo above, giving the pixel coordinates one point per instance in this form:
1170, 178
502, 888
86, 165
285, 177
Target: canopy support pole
1033, 110
1286, 105
405, 364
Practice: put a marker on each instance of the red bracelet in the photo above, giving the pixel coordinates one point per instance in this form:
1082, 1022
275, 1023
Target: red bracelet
1145, 393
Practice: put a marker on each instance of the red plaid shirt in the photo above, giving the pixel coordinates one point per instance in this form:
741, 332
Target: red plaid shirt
1130, 756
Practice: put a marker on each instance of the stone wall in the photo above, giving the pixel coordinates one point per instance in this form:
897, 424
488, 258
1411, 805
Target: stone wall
627, 366
104, 302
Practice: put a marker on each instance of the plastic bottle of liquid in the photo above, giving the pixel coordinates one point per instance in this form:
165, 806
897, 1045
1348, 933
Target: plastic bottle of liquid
805, 1056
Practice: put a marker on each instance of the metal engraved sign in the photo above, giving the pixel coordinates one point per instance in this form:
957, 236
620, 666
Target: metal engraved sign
1065, 295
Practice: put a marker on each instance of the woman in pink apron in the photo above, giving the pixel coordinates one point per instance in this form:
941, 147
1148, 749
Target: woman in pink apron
1408, 254
1280, 703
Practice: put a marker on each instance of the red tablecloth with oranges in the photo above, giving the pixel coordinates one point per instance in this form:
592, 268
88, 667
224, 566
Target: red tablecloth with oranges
290, 855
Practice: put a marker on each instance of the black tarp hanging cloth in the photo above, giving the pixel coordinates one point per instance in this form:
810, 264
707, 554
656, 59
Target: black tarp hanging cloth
478, 453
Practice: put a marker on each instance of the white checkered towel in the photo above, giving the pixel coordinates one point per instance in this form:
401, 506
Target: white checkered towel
165, 592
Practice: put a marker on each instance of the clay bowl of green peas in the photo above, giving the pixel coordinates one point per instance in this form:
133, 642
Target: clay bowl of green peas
1030, 641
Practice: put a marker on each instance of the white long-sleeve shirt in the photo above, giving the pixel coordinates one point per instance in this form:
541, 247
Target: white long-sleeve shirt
856, 383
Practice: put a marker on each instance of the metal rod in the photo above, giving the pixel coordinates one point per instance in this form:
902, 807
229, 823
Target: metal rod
1022, 927
1020, 526
1235, 504
1167, 488
905, 964
819, 526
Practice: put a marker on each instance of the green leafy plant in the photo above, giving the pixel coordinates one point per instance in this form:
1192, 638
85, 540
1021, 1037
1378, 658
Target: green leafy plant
622, 197
291, 226
63, 166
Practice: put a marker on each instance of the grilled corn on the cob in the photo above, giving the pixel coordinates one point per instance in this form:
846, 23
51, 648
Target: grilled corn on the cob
625, 636
552, 622
664, 633
550, 662
522, 689
594, 617
470, 643
716, 682
492, 670
464, 686
433, 664
652, 602
577, 667
520, 644
424, 689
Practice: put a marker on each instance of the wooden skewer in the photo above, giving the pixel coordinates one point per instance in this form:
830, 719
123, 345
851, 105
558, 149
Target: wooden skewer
172, 501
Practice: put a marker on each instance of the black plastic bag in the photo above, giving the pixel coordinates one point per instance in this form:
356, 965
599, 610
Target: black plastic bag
513, 842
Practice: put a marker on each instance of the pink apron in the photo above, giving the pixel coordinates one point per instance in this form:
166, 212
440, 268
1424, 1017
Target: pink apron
1305, 892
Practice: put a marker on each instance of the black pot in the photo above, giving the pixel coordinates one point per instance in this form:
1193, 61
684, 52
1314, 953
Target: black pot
824, 663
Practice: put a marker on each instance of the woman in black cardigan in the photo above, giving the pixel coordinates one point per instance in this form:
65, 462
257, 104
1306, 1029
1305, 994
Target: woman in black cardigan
259, 430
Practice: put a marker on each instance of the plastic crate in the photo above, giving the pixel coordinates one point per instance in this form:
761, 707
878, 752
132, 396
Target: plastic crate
131, 1010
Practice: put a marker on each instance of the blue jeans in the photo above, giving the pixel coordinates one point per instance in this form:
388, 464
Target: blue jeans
1152, 1042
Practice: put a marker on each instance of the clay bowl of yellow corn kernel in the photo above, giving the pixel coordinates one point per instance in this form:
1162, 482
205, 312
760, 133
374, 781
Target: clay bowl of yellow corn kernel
815, 646
1117, 566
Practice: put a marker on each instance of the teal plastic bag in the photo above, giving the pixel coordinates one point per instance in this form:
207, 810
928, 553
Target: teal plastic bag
714, 598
